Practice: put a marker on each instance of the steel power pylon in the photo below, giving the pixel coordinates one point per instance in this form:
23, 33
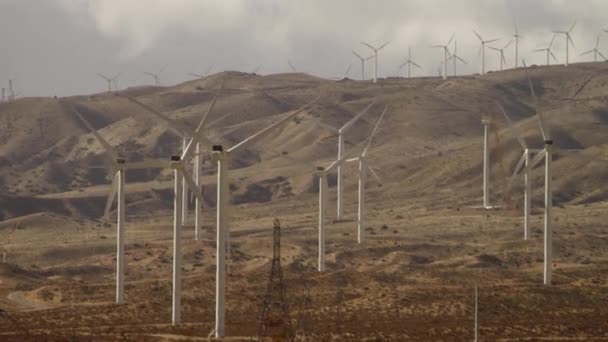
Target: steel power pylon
274, 318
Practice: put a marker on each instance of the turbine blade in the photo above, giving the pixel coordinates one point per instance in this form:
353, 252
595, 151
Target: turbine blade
356, 117
514, 130
599, 53
543, 128
537, 158
374, 174
383, 45
492, 40
255, 136
162, 69
451, 38
110, 153
552, 55
147, 164
374, 131
572, 27
111, 196
517, 169
369, 46
478, 36
416, 65
191, 183
347, 70
570, 40
358, 56
460, 59
587, 52
182, 129
508, 44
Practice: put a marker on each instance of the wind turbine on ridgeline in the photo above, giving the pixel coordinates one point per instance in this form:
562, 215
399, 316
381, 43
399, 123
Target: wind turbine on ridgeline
595, 51
516, 37
567, 35
197, 75
376, 50
409, 62
446, 55
291, 66
156, 76
548, 51
483, 51
455, 58
363, 60
503, 60
111, 80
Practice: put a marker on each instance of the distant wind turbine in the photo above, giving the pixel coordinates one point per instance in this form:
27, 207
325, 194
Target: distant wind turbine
503, 60
376, 49
568, 40
363, 60
516, 37
595, 50
455, 58
156, 75
111, 80
291, 66
409, 62
483, 51
548, 50
446, 55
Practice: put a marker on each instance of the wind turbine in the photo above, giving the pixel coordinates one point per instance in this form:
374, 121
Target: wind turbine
595, 50
525, 162
455, 58
503, 60
568, 40
446, 55
118, 168
340, 180
516, 37
483, 51
363, 60
156, 75
545, 154
188, 134
375, 49
11, 90
409, 62
363, 168
291, 66
548, 50
110, 80
197, 75
222, 157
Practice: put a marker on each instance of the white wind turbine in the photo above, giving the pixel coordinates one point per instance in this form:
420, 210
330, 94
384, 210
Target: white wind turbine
322, 173
595, 50
483, 51
363, 60
503, 60
340, 180
111, 80
376, 49
409, 62
446, 55
197, 75
516, 38
156, 76
524, 162
363, 168
455, 58
545, 154
187, 134
486, 121
548, 51
569, 40
222, 158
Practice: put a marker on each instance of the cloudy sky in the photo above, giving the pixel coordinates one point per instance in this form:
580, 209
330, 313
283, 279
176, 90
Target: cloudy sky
56, 47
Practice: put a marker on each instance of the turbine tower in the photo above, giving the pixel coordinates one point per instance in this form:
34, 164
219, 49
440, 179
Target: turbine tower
503, 60
548, 51
455, 58
446, 55
375, 49
486, 121
11, 91
568, 40
363, 60
222, 157
409, 62
156, 76
595, 50
483, 51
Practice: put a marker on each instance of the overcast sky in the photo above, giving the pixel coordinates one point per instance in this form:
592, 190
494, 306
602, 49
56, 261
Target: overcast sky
56, 47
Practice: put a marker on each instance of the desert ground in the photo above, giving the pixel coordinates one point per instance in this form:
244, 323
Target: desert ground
427, 243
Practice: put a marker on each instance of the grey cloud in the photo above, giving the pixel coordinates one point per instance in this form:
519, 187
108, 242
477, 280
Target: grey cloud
57, 46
